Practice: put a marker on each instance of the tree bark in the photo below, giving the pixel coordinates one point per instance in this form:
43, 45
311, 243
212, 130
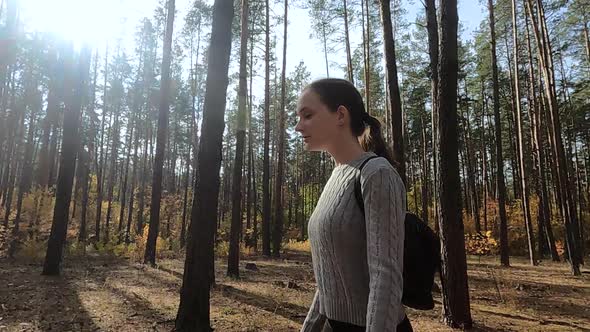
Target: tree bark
500, 185
279, 213
27, 170
432, 28
347, 42
112, 175
266, 208
233, 260
193, 312
150, 248
393, 89
520, 142
100, 164
455, 287
75, 83
566, 201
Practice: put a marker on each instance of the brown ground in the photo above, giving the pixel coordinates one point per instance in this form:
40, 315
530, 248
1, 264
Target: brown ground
112, 294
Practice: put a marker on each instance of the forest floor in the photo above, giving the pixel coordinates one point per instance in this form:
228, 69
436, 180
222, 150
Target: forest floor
101, 293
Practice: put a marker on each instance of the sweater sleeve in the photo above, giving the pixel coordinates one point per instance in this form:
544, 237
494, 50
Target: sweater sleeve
385, 205
314, 322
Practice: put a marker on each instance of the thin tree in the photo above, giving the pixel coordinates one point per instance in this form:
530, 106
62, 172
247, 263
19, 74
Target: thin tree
279, 213
193, 312
520, 142
544, 230
500, 185
565, 198
266, 208
432, 28
456, 310
88, 154
150, 247
74, 84
394, 99
100, 163
233, 259
27, 171
349, 71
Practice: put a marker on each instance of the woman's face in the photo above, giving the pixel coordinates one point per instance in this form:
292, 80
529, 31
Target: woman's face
317, 125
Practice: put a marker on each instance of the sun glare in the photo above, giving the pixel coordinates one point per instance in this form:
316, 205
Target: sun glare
81, 21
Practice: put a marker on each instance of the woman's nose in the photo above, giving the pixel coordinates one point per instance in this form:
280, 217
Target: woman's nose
298, 126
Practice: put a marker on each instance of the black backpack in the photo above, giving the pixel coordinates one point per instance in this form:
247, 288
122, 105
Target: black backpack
421, 256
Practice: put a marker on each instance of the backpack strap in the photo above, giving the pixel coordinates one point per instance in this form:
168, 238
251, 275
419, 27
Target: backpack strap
358, 194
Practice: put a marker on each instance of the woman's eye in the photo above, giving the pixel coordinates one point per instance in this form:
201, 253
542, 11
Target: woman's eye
307, 116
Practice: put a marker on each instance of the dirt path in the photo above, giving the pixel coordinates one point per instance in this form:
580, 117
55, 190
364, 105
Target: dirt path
112, 294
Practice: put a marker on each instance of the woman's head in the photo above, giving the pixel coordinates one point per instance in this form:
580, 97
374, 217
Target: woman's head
330, 111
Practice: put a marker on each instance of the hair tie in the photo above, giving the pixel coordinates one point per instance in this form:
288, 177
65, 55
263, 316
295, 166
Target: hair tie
366, 117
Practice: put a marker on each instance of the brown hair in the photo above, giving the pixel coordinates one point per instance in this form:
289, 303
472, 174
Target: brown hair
335, 92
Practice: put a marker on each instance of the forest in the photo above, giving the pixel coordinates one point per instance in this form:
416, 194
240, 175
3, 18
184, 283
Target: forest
155, 182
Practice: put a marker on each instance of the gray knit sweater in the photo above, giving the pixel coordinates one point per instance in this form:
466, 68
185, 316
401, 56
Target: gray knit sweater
358, 261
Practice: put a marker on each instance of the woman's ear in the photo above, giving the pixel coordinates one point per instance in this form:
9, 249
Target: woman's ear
342, 115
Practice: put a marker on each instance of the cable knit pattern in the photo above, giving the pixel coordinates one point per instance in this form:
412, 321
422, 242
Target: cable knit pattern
358, 261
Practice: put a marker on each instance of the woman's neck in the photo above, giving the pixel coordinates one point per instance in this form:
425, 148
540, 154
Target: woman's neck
345, 152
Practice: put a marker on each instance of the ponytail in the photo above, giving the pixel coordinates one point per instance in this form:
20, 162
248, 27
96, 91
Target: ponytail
335, 92
372, 138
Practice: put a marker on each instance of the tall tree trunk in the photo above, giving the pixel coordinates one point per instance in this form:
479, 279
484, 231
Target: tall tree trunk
471, 174
393, 88
53, 150
90, 155
100, 164
27, 170
7, 69
55, 87
325, 41
150, 247
567, 210
233, 260
75, 84
454, 262
279, 213
512, 121
266, 208
349, 71
144, 173
185, 199
132, 190
425, 172
193, 312
112, 175
587, 42
365, 64
123, 184
251, 191
520, 142
13, 162
367, 42
432, 28
484, 157
500, 185
543, 215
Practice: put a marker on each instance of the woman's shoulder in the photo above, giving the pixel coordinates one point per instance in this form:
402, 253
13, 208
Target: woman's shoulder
375, 164
379, 165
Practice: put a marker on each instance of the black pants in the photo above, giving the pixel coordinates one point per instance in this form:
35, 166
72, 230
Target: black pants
338, 326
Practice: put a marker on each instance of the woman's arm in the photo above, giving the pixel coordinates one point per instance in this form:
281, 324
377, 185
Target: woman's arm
384, 197
314, 322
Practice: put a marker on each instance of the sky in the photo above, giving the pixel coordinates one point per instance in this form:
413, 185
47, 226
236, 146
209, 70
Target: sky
99, 21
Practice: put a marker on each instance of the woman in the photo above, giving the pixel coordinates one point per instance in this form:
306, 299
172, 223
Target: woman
357, 258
